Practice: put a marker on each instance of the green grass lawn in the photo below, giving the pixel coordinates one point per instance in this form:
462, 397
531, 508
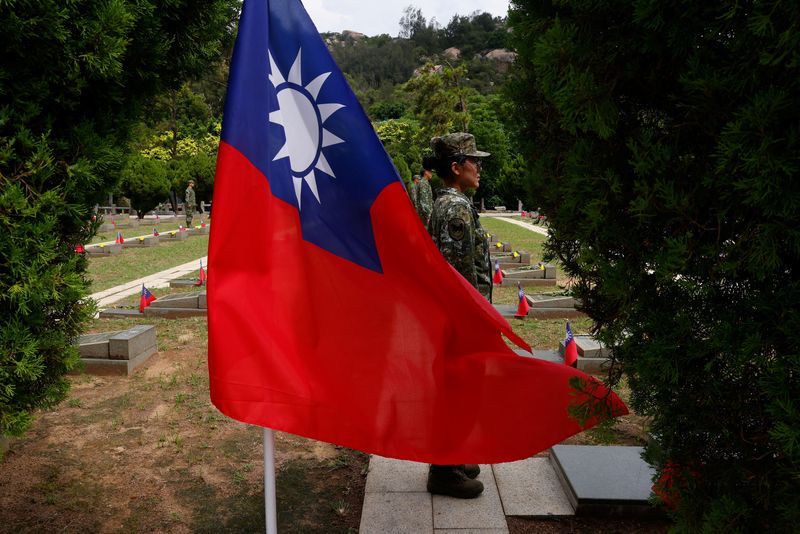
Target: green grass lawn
109, 271
520, 238
145, 228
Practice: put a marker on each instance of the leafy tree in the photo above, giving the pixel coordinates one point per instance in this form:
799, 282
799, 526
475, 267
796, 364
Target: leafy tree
438, 99
144, 182
75, 75
403, 141
665, 139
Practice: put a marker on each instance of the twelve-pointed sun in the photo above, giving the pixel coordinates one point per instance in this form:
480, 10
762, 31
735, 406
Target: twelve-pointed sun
302, 119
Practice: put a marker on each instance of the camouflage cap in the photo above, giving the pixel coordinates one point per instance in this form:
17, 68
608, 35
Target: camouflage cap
456, 144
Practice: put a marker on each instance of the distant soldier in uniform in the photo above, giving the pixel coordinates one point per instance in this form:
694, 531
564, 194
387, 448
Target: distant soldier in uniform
424, 194
413, 191
189, 203
455, 229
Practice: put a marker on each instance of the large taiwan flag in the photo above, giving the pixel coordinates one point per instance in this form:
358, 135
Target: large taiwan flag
332, 314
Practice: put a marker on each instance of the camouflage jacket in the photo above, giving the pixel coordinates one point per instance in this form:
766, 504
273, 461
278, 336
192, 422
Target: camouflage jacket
189, 199
413, 192
455, 229
424, 200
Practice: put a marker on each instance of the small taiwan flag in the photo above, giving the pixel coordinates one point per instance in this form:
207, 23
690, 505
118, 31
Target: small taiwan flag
145, 299
155, 233
570, 348
523, 214
498, 274
201, 280
120, 240
79, 248
524, 307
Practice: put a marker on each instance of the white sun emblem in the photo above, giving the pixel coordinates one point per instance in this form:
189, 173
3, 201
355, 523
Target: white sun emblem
302, 119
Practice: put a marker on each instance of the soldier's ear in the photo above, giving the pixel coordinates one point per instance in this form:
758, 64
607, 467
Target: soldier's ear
455, 168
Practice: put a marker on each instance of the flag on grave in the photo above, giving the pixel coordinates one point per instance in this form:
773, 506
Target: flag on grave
120, 240
498, 274
80, 249
523, 307
202, 278
145, 299
155, 232
570, 348
399, 356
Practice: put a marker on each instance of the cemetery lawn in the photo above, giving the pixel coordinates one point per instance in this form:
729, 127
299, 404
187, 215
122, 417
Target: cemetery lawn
145, 228
109, 271
520, 238
149, 453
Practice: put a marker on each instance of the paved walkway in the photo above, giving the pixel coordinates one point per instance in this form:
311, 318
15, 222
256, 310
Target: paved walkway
396, 501
154, 281
532, 228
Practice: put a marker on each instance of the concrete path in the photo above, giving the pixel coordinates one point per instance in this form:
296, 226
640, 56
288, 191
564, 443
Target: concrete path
396, 501
532, 228
109, 296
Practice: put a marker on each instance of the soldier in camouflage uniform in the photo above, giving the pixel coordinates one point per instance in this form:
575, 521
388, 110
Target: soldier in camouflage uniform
455, 229
424, 194
189, 203
413, 191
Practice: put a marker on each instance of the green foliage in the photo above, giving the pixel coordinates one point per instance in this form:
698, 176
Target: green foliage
403, 141
438, 99
386, 110
74, 77
664, 138
144, 182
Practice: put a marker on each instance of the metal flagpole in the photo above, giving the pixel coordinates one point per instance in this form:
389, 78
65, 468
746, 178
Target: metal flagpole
270, 509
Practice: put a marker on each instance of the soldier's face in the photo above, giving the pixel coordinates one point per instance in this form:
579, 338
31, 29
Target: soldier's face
468, 174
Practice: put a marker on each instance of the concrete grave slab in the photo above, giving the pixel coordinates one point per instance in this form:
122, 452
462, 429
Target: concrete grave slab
94, 345
396, 513
199, 230
589, 347
547, 355
130, 343
605, 480
103, 250
118, 313
98, 366
174, 235
531, 488
485, 511
182, 282
528, 282
174, 313
180, 300
142, 241
202, 301
551, 301
523, 274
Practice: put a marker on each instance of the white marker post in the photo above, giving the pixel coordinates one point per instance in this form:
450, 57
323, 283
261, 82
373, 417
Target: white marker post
270, 508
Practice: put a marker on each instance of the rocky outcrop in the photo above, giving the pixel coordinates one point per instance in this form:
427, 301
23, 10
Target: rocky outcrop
452, 53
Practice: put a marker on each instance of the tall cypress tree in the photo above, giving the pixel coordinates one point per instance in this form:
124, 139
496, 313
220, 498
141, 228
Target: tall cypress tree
72, 78
665, 141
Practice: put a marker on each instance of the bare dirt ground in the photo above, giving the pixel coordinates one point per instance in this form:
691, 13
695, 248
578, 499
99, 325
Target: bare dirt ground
150, 453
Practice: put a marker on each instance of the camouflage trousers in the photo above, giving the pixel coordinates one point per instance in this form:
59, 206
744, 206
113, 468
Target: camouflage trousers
189, 217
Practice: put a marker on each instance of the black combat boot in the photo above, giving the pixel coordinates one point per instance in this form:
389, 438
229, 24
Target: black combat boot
471, 470
451, 480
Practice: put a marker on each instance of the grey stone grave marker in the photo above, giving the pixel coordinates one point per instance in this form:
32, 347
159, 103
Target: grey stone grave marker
605, 480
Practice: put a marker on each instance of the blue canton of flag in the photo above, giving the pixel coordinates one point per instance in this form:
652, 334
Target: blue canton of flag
570, 337
520, 292
298, 122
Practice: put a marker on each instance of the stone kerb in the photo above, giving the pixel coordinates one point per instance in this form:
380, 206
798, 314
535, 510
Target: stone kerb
119, 352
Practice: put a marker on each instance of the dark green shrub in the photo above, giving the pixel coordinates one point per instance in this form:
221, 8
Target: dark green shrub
665, 142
